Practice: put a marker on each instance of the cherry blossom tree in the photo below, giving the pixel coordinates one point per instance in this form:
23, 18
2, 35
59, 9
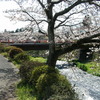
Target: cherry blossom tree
54, 17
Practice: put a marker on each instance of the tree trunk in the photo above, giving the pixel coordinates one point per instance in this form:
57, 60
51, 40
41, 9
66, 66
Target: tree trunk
52, 58
51, 61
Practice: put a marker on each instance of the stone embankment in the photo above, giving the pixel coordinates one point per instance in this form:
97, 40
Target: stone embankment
8, 78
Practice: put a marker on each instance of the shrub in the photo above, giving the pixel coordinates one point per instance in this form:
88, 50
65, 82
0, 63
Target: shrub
2, 47
40, 70
14, 51
82, 66
43, 85
5, 54
8, 48
62, 90
25, 92
21, 57
26, 69
39, 59
53, 86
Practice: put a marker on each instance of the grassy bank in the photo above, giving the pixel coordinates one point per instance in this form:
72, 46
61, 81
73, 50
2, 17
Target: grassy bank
90, 67
25, 92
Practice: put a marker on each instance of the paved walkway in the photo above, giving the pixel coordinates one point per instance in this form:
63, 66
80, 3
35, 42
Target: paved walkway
8, 76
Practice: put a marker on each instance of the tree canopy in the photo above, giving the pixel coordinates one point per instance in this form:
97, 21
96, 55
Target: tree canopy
76, 23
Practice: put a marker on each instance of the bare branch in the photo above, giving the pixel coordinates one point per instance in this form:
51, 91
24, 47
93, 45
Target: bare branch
82, 43
68, 25
66, 10
42, 5
40, 31
75, 46
56, 2
95, 4
37, 23
87, 39
96, 29
31, 17
61, 22
94, 41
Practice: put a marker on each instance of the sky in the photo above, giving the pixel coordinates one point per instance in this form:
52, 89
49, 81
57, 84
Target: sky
5, 22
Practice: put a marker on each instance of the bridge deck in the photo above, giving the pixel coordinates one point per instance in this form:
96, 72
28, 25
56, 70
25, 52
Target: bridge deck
31, 46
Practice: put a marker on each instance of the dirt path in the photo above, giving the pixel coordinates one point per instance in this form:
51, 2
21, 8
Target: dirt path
8, 78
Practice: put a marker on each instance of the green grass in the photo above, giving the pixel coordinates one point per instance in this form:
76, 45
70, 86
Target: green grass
25, 92
40, 59
91, 67
5, 54
16, 64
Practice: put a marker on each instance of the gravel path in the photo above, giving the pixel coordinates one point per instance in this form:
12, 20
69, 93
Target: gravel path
8, 78
86, 85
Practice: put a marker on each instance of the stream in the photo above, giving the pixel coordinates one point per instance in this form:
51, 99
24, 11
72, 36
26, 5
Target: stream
86, 85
